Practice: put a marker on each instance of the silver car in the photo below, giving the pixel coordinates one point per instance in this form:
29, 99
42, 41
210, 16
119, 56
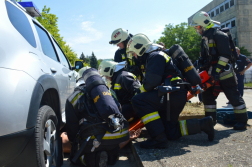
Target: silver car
36, 78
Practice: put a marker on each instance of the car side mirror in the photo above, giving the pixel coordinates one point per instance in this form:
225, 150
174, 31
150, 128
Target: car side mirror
78, 65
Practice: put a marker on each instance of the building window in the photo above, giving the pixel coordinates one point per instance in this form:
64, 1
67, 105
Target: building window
233, 23
226, 6
212, 14
228, 24
221, 8
217, 11
231, 3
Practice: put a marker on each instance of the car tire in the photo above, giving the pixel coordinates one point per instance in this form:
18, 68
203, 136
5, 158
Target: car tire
47, 138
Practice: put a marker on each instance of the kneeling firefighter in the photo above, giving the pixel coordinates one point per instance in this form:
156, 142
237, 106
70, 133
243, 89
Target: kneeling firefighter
151, 107
94, 122
125, 84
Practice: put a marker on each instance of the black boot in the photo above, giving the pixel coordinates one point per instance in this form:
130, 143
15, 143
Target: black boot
206, 125
158, 142
241, 121
213, 115
101, 159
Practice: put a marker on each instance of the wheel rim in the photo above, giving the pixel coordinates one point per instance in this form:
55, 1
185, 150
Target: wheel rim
50, 143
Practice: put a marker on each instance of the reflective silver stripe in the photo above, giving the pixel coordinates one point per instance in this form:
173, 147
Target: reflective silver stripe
116, 134
210, 106
211, 41
91, 73
73, 95
239, 107
175, 54
76, 100
183, 126
149, 117
224, 59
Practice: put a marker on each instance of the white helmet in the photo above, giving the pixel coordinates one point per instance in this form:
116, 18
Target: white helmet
81, 71
202, 19
107, 68
118, 36
138, 44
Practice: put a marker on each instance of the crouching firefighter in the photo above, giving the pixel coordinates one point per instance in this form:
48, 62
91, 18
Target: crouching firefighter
124, 84
216, 58
151, 107
95, 126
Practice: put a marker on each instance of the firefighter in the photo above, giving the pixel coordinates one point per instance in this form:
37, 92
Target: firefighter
120, 37
151, 108
104, 133
124, 84
216, 56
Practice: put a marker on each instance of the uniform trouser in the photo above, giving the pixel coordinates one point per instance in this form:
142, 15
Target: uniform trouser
229, 86
240, 85
102, 147
128, 111
153, 113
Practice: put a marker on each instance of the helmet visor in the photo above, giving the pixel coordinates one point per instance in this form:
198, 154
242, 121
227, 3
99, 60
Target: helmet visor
115, 42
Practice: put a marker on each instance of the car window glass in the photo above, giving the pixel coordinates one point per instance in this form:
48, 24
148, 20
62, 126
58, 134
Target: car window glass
21, 23
46, 44
63, 59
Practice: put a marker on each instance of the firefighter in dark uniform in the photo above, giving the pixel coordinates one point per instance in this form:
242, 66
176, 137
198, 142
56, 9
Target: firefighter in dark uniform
216, 58
93, 120
240, 69
120, 37
124, 84
151, 108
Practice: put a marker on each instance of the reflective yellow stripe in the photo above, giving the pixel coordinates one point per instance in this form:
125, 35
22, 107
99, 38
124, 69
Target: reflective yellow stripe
150, 117
240, 111
132, 75
211, 25
117, 86
142, 89
142, 67
212, 44
222, 63
75, 99
217, 70
117, 135
123, 56
167, 58
183, 128
226, 76
177, 78
210, 109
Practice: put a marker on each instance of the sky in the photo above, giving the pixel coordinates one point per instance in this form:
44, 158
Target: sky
87, 25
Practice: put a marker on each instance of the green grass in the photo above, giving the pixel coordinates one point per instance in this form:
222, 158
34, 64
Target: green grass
249, 84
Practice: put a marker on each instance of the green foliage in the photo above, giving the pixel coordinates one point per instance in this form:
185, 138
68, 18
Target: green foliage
245, 52
99, 62
82, 57
93, 61
183, 35
49, 21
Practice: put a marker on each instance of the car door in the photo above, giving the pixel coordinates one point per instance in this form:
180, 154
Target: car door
63, 75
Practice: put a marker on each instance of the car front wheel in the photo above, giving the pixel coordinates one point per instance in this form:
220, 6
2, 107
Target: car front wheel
47, 138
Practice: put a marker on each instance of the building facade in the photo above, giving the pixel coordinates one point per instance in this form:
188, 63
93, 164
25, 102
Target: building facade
235, 14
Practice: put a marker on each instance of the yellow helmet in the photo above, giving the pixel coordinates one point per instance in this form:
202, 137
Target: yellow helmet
81, 71
138, 44
118, 36
107, 68
201, 18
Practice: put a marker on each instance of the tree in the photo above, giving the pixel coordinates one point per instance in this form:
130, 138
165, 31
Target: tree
49, 21
82, 57
245, 52
183, 35
93, 61
99, 62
